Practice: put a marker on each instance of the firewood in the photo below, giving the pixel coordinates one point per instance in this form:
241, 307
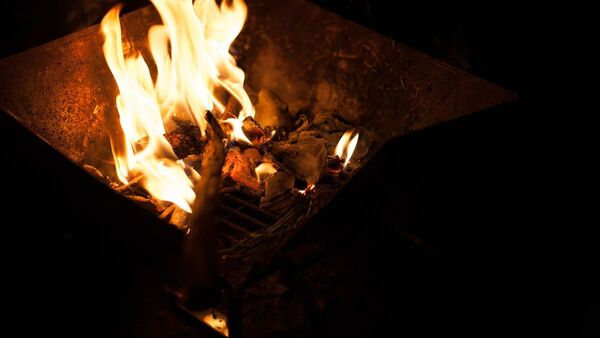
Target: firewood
201, 289
185, 139
254, 132
240, 169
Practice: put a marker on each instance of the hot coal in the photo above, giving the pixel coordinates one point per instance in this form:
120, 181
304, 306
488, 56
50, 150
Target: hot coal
240, 168
185, 139
300, 147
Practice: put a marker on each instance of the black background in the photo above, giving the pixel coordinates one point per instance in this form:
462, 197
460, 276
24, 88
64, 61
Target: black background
507, 198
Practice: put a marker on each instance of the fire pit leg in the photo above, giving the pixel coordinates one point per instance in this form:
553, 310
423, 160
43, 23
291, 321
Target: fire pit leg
201, 290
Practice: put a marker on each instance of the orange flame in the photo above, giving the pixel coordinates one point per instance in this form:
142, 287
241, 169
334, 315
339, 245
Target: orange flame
345, 147
191, 52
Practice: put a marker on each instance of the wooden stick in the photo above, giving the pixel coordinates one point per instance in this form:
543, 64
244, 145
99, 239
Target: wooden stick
202, 287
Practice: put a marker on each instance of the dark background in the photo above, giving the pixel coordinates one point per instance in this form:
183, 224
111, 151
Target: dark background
506, 198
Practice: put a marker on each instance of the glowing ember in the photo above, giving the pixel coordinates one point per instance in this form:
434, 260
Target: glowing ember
345, 147
309, 188
194, 69
264, 170
216, 320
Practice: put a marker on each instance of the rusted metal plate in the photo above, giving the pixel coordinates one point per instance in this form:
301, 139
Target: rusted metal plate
314, 60
308, 56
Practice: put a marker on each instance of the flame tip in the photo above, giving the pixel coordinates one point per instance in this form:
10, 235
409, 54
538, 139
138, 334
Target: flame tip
346, 146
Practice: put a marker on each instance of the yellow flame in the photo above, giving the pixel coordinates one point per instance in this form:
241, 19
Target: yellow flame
237, 132
194, 68
264, 170
345, 147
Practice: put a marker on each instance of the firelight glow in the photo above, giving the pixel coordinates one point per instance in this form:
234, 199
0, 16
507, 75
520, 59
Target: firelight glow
194, 69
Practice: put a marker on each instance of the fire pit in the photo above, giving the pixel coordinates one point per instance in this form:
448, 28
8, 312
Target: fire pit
319, 88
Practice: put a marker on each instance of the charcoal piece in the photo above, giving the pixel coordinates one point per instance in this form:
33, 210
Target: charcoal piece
240, 169
254, 131
185, 139
276, 184
271, 111
201, 278
306, 158
179, 217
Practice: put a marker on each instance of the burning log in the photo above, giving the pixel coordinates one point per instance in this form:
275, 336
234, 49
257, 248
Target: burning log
185, 139
240, 168
254, 131
201, 290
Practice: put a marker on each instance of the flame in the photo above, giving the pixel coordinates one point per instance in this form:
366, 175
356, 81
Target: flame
345, 147
194, 69
264, 170
237, 133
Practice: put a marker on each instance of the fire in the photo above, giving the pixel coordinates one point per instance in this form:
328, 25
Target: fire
345, 147
194, 71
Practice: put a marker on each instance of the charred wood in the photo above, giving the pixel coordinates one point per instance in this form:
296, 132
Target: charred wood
200, 259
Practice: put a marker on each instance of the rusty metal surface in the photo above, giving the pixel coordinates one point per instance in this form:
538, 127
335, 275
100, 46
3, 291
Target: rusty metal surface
310, 57
314, 60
